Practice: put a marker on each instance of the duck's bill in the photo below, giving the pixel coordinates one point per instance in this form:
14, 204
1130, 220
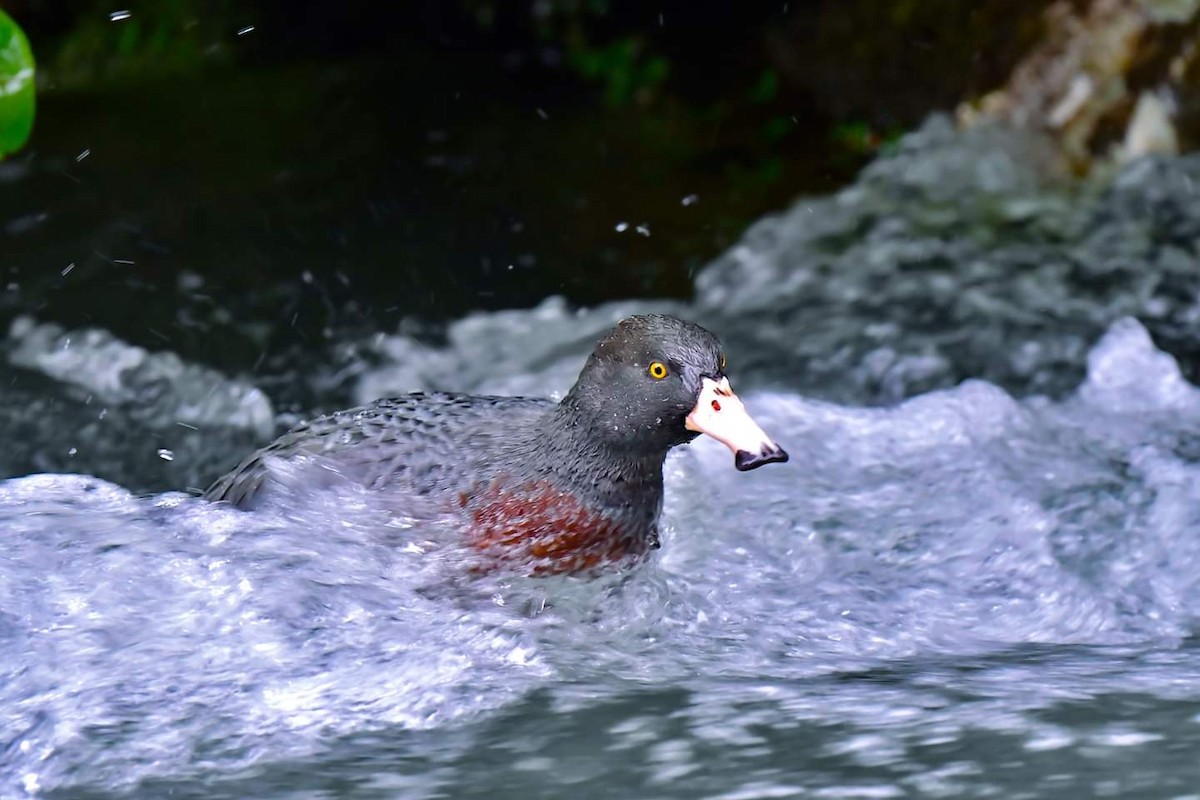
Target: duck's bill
720, 414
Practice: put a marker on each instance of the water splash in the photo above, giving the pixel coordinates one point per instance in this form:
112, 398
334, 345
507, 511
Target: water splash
957, 570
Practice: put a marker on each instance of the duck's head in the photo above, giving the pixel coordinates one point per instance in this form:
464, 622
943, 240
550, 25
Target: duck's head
656, 381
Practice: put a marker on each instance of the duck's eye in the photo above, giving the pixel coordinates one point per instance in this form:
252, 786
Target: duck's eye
658, 370
722, 362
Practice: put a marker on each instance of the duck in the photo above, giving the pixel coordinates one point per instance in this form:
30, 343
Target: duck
540, 486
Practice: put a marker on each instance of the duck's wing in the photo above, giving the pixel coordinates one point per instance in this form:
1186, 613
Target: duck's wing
420, 441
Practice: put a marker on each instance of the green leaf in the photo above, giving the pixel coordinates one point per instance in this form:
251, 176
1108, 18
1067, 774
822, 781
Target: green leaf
16, 87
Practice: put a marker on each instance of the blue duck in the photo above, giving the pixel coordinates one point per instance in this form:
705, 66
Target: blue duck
546, 487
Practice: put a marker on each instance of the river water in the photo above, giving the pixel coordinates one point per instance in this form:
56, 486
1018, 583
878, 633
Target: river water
977, 577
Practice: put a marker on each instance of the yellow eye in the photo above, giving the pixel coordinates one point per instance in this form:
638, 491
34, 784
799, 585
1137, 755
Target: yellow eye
658, 370
722, 362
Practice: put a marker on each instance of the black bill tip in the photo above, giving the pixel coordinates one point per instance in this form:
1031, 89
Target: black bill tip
745, 461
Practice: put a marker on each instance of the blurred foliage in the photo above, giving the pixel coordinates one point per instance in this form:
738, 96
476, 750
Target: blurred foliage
849, 73
758, 74
635, 58
751, 101
150, 39
16, 86
628, 73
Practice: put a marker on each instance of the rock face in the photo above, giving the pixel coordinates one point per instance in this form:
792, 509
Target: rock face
1109, 78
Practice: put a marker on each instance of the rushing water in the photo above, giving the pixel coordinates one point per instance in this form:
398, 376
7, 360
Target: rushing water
965, 593
984, 588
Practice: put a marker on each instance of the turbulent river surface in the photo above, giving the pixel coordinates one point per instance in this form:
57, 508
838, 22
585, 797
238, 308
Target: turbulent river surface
977, 577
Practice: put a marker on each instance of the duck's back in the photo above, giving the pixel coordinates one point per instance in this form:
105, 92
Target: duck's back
422, 443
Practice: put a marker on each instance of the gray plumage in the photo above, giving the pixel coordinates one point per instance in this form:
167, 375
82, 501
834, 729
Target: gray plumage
604, 443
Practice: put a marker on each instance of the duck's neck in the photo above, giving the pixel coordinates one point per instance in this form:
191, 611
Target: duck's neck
568, 447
